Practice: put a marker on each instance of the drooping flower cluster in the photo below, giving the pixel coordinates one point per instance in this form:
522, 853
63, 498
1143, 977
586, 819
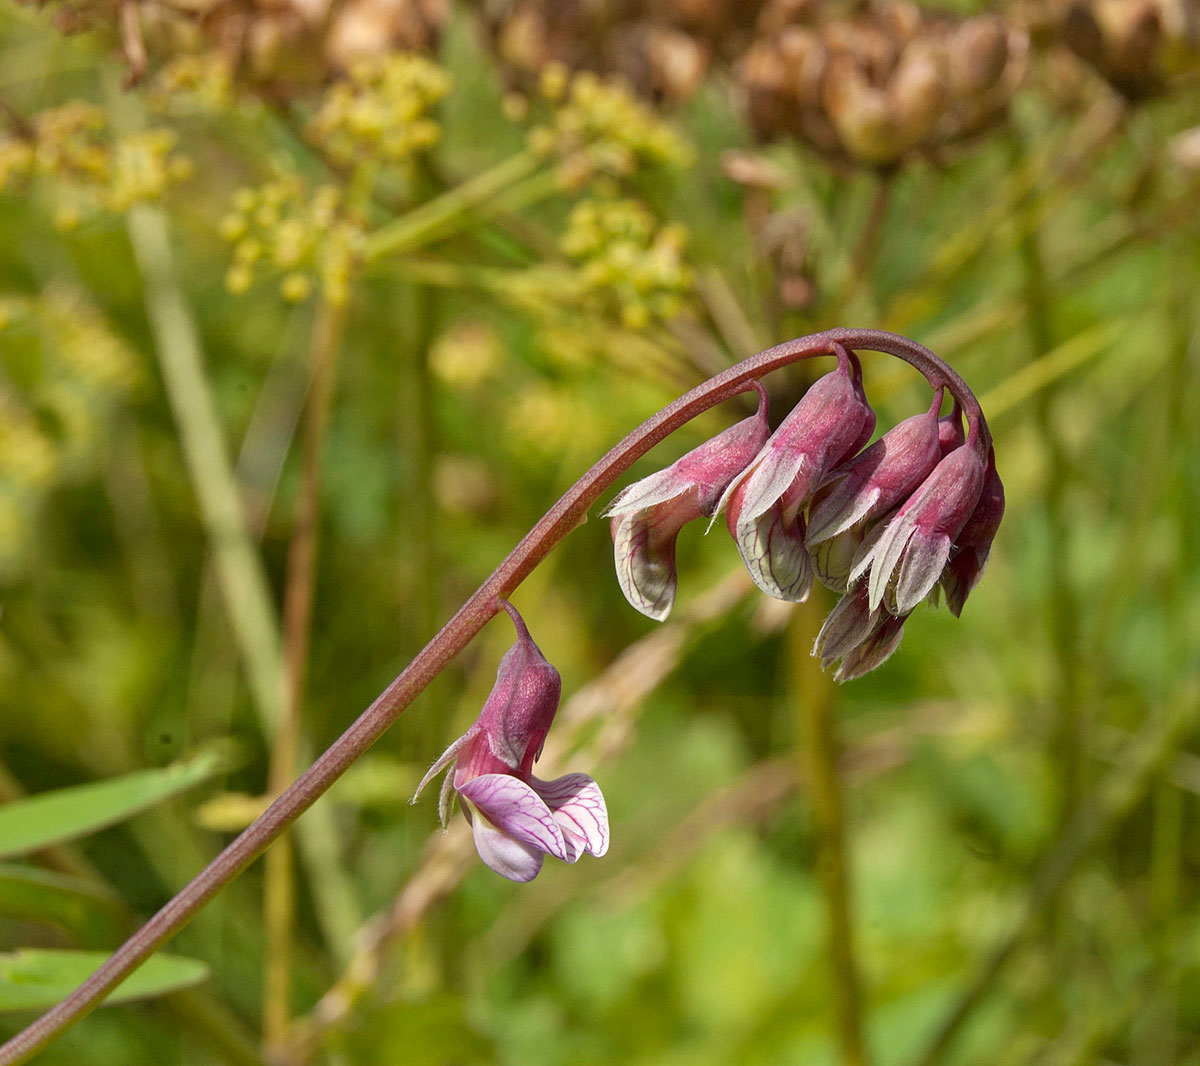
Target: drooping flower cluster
886, 526
518, 819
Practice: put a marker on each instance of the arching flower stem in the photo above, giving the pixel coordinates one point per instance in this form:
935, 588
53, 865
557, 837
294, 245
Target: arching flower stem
568, 513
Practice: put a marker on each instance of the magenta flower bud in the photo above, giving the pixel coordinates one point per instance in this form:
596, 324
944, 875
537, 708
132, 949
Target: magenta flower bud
974, 543
848, 625
950, 431
874, 651
648, 515
516, 818
763, 506
908, 557
878, 479
861, 636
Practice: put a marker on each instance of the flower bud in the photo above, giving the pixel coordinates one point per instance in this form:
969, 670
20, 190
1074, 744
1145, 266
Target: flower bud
974, 542
861, 114
648, 515
875, 481
831, 421
861, 636
516, 818
908, 558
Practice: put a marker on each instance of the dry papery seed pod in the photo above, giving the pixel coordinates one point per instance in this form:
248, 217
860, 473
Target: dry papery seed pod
282, 47
1137, 46
663, 49
878, 82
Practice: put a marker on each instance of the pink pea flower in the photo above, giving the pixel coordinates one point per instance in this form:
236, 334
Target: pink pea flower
861, 636
974, 542
878, 479
763, 506
907, 558
648, 515
516, 818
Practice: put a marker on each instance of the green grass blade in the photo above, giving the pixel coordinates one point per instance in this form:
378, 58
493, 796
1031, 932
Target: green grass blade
34, 979
53, 817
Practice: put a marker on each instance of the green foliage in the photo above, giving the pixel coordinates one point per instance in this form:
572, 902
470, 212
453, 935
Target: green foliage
55, 817
34, 979
499, 288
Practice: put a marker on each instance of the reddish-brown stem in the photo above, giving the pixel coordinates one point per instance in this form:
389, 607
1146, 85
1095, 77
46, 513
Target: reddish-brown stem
470, 618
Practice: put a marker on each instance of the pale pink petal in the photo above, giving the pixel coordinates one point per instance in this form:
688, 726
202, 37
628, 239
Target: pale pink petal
848, 625
769, 479
508, 856
920, 568
649, 492
775, 555
887, 553
645, 568
514, 808
580, 811
873, 651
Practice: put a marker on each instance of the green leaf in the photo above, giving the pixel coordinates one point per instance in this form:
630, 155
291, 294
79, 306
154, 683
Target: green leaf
53, 817
33, 978
87, 911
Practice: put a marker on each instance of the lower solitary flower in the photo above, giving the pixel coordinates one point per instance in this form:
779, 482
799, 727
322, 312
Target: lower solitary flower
518, 819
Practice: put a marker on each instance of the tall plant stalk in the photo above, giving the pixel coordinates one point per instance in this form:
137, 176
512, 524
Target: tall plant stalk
279, 889
812, 696
568, 513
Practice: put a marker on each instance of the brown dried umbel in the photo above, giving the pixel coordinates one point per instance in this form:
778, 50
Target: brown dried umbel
664, 49
280, 46
1135, 45
880, 83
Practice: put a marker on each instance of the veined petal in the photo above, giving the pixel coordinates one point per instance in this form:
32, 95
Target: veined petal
514, 808
580, 811
848, 625
645, 565
833, 559
774, 553
872, 652
508, 856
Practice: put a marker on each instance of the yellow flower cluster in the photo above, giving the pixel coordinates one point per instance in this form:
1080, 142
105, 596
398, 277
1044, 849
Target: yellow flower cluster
84, 168
598, 127
72, 369
626, 258
204, 82
283, 226
381, 112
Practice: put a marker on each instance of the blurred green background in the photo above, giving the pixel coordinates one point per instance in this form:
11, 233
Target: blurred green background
308, 313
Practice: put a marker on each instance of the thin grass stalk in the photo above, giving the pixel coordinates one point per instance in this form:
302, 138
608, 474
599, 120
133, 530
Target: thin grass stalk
279, 888
1069, 745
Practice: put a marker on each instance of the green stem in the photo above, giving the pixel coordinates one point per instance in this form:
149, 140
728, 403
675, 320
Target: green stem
568, 513
1070, 741
239, 571
432, 218
278, 887
813, 699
